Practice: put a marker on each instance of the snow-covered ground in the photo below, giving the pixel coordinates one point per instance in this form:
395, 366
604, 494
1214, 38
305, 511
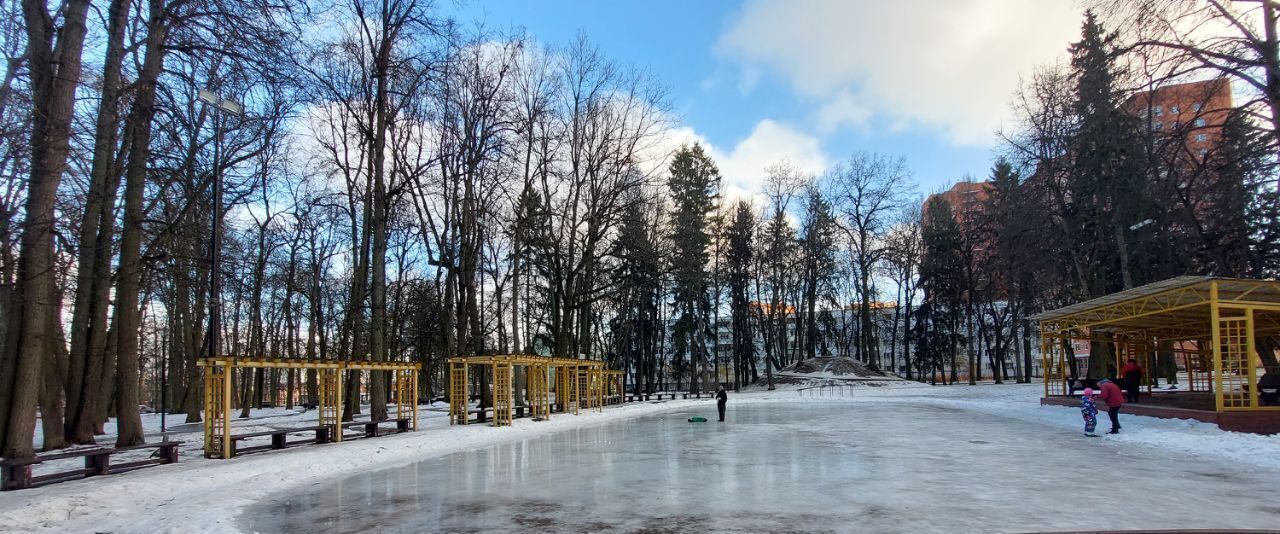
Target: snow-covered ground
211, 495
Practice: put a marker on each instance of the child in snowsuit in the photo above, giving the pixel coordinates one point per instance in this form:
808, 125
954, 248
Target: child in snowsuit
1090, 412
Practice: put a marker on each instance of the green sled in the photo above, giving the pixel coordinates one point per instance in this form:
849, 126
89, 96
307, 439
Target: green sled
697, 419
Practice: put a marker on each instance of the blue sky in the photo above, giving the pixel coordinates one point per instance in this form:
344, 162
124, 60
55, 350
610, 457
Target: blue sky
815, 81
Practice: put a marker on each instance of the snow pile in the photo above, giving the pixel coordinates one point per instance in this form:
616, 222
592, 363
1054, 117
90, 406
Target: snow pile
825, 372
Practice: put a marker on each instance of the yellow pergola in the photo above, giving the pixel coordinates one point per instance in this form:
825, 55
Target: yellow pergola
1211, 322
578, 384
613, 386
218, 388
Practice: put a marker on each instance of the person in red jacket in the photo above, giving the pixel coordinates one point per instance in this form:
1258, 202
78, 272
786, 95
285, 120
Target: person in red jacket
1131, 374
1114, 399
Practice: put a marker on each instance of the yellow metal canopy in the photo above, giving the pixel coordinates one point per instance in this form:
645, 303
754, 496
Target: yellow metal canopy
1178, 308
1219, 318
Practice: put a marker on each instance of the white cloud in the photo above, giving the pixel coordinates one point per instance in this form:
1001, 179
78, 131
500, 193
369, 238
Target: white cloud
841, 110
949, 65
742, 168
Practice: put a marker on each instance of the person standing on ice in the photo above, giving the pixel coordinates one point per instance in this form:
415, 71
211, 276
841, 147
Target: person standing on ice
1132, 375
721, 399
1089, 410
1114, 398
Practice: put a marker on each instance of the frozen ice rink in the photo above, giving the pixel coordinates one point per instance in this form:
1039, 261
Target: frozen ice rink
882, 467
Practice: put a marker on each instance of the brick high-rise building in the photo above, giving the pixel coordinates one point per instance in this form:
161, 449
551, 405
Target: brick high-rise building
1196, 110
966, 199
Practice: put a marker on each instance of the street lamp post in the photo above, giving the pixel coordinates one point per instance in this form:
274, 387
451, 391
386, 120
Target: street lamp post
220, 104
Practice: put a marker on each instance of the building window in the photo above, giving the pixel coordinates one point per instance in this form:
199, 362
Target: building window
1199, 122
1203, 152
1201, 137
1197, 107
1174, 125
1174, 110
1159, 110
1159, 126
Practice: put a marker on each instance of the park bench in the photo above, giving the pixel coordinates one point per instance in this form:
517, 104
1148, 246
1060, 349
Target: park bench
637, 397
686, 395
517, 412
279, 439
17, 472
372, 429
1080, 384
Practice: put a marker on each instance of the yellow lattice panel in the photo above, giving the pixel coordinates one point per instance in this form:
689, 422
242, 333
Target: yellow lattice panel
502, 395
458, 393
577, 388
1053, 361
562, 388
596, 379
1235, 377
539, 396
406, 395
216, 428
330, 405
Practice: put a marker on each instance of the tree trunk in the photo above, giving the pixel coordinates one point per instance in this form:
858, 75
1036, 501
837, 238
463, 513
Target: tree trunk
93, 275
53, 371
54, 75
128, 311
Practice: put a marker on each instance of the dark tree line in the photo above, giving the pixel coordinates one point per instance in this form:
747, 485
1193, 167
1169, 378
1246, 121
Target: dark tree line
1095, 194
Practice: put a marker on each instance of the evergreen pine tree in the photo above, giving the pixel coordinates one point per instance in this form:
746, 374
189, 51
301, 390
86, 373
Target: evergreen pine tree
741, 232
694, 183
1106, 184
817, 264
941, 277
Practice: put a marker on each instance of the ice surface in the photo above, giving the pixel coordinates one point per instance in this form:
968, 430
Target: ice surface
892, 466
201, 495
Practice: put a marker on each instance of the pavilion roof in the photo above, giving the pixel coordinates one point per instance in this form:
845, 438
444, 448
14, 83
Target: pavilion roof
1176, 308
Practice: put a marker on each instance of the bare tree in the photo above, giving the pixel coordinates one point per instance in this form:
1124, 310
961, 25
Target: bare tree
867, 189
53, 59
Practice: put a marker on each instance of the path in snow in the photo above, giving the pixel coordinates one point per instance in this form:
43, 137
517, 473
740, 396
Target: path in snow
891, 467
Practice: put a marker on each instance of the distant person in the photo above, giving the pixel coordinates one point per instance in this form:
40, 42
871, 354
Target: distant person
1132, 375
1114, 399
1089, 410
721, 399
1269, 389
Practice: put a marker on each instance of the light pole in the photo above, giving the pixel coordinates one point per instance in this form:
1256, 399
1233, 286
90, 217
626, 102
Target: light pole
220, 104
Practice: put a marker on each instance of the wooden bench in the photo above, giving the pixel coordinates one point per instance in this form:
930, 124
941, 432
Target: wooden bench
279, 439
637, 397
17, 472
1080, 384
517, 412
372, 429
